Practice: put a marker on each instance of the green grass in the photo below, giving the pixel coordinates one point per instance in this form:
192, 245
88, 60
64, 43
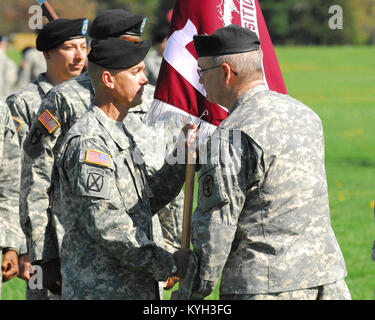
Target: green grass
338, 83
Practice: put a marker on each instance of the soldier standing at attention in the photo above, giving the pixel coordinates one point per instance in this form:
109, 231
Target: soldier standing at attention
32, 65
12, 239
108, 198
262, 220
63, 43
8, 70
66, 103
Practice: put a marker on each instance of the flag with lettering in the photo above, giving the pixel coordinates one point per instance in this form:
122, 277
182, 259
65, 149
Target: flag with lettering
179, 97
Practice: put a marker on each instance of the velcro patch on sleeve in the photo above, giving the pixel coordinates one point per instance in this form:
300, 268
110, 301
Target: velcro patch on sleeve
97, 157
49, 121
17, 123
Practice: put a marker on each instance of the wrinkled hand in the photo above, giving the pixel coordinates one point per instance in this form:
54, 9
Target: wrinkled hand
169, 284
25, 267
182, 257
9, 267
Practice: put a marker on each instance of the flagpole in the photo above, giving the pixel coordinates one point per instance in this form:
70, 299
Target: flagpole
188, 200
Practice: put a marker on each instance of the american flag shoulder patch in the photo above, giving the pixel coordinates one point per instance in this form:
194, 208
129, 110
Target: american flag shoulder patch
17, 123
49, 121
98, 157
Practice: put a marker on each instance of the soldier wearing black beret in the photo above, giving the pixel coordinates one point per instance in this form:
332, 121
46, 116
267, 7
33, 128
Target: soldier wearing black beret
262, 221
63, 43
117, 23
67, 103
107, 195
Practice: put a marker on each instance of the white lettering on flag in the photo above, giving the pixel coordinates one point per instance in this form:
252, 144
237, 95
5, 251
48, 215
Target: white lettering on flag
249, 21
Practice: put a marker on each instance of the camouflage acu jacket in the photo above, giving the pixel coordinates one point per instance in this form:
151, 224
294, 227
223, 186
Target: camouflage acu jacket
262, 219
11, 235
108, 200
25, 103
62, 107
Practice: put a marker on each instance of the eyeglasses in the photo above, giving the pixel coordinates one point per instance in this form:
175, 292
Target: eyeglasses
200, 71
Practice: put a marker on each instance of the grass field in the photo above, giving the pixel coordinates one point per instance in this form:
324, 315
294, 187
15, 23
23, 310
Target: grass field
338, 83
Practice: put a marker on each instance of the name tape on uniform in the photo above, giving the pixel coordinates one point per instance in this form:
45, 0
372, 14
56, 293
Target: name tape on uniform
97, 157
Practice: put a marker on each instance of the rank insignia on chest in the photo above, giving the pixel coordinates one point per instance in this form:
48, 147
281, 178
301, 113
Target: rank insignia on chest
97, 157
17, 123
49, 121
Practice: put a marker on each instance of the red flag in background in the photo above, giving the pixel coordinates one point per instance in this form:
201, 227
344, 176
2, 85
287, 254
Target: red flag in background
179, 97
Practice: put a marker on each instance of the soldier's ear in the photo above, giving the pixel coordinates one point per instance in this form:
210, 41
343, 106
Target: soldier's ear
108, 79
227, 73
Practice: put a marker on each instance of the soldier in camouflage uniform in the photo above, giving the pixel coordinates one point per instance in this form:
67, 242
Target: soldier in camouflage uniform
107, 195
155, 57
67, 103
12, 239
32, 65
262, 221
63, 44
8, 70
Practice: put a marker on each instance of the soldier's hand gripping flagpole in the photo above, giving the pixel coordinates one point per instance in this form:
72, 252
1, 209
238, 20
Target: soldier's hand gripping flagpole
48, 10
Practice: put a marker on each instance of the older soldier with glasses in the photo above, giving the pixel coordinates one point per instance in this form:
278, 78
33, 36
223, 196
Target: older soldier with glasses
262, 220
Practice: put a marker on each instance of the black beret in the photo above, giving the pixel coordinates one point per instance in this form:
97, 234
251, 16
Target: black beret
115, 22
113, 53
228, 40
58, 31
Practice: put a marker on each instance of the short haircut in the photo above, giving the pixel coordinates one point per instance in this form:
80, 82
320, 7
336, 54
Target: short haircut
248, 65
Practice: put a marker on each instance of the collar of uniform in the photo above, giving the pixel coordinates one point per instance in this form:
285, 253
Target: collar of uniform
43, 83
247, 95
114, 128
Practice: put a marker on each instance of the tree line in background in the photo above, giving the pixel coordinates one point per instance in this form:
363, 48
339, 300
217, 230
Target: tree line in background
290, 22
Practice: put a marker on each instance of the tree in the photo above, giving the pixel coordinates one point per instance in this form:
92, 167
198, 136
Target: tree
306, 22
14, 16
364, 18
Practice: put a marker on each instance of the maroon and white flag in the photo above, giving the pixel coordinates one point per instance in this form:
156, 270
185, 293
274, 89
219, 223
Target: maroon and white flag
179, 97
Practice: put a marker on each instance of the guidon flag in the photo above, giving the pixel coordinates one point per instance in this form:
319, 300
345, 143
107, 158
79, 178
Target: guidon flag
179, 97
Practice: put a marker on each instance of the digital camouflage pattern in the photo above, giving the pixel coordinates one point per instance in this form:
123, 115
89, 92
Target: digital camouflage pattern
32, 65
108, 198
67, 103
263, 221
333, 291
25, 103
8, 75
153, 63
23, 106
11, 235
